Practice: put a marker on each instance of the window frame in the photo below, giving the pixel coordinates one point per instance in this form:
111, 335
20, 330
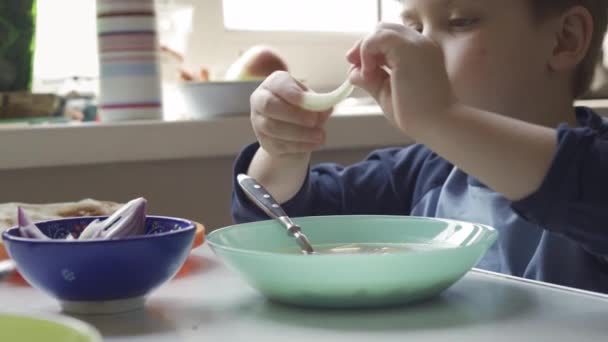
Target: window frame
209, 29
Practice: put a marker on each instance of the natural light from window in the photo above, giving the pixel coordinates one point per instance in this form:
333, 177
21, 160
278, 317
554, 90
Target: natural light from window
307, 15
391, 11
66, 39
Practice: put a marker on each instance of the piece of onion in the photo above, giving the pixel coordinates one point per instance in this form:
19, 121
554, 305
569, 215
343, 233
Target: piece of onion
128, 220
319, 102
93, 230
27, 228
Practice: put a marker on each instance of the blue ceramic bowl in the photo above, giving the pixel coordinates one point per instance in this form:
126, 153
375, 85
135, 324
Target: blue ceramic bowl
101, 276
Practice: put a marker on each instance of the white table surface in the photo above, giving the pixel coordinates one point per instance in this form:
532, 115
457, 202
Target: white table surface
213, 303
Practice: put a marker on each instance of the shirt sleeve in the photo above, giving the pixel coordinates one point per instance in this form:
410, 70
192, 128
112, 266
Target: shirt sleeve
383, 184
573, 198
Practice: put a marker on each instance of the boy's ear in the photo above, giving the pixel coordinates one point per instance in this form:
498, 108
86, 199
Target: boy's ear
574, 31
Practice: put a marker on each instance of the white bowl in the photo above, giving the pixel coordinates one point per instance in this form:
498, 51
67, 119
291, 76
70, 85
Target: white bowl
206, 100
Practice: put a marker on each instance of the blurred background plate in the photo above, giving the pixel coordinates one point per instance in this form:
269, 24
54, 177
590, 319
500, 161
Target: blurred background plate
29, 328
206, 100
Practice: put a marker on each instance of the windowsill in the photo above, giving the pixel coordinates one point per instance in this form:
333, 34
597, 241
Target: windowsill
66, 145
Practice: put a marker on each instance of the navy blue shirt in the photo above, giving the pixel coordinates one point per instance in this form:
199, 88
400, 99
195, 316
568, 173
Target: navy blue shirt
559, 234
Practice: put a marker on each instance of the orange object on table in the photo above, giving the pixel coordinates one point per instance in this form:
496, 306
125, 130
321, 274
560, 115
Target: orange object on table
199, 235
3, 253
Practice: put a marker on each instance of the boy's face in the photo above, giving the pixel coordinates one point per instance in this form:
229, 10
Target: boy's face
496, 54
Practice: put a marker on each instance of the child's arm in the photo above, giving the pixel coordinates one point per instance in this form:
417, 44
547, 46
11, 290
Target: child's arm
509, 156
512, 157
556, 178
573, 197
282, 176
287, 135
389, 182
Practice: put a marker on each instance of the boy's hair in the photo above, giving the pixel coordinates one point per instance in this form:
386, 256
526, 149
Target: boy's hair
599, 12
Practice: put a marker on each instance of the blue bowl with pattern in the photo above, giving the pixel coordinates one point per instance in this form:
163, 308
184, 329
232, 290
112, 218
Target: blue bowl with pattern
101, 276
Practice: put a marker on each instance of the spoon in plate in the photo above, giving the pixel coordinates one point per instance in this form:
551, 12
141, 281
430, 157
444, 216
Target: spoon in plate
262, 198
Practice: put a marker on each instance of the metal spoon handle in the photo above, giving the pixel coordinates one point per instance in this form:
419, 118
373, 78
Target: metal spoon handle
271, 207
261, 197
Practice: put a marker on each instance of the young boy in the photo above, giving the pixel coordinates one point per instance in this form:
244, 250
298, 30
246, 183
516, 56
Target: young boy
486, 88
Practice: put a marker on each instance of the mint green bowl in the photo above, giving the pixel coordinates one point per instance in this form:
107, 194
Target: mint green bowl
268, 258
21, 327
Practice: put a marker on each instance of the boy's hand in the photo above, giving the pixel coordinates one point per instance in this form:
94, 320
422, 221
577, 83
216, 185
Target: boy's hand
283, 129
417, 96
417, 89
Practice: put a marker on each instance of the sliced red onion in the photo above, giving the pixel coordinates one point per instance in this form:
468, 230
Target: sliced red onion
92, 230
128, 220
27, 228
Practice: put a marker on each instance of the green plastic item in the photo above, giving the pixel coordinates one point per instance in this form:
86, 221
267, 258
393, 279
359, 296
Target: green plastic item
17, 41
27, 328
436, 254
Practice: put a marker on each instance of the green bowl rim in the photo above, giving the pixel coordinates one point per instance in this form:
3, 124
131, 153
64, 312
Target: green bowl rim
489, 239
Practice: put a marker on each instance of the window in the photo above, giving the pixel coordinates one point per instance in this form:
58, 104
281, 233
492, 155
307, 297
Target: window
313, 35
390, 11
66, 43
309, 15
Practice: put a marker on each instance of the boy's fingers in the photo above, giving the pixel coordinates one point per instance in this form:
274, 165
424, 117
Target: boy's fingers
393, 26
270, 105
353, 56
283, 85
283, 147
284, 131
323, 117
376, 47
372, 82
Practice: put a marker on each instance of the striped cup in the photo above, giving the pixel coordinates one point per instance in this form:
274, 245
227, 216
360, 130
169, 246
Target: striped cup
129, 75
